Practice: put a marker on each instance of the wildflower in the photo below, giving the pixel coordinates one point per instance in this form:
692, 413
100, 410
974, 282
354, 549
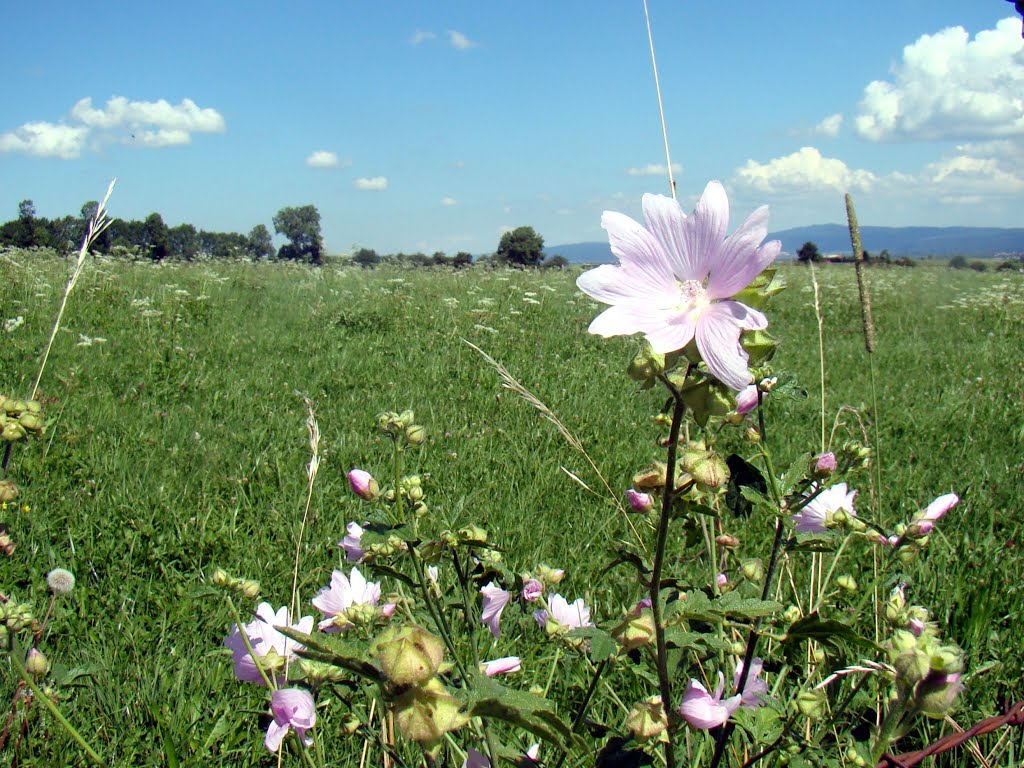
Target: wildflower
533, 753
755, 689
60, 581
363, 485
817, 514
701, 710
432, 574
339, 602
639, 501
475, 759
747, 399
36, 663
408, 655
676, 275
351, 543
495, 599
563, 616
824, 464
532, 590
924, 522
268, 645
501, 666
292, 708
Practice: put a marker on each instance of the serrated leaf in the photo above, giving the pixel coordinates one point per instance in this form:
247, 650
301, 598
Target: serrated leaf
695, 641
601, 644
734, 605
488, 698
797, 471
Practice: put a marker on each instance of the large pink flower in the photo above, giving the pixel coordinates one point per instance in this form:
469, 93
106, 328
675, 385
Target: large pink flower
343, 595
675, 276
818, 512
701, 710
293, 708
270, 647
495, 599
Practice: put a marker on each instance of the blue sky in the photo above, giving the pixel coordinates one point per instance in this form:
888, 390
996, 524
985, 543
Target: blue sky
436, 125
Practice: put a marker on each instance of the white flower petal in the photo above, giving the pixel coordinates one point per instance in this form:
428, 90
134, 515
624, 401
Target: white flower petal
664, 218
637, 248
704, 231
741, 258
612, 284
718, 339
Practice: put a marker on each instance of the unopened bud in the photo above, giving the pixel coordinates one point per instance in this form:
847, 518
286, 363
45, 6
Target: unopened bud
646, 364
752, 570
415, 434
727, 540
635, 631
408, 655
363, 485
652, 478
823, 465
810, 704
847, 583
426, 713
639, 502
648, 721
36, 663
707, 468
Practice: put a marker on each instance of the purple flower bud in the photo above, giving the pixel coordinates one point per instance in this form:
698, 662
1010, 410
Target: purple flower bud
825, 463
351, 543
501, 666
639, 502
363, 485
532, 590
746, 399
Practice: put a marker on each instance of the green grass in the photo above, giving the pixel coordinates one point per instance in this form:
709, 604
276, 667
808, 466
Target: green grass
178, 445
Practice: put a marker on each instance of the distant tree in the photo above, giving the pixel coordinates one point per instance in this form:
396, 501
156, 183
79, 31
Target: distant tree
979, 266
29, 230
884, 257
301, 226
183, 242
462, 259
555, 262
521, 247
156, 237
260, 243
808, 252
366, 258
439, 259
958, 262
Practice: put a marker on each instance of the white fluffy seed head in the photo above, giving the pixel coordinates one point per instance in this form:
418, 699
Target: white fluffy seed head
60, 581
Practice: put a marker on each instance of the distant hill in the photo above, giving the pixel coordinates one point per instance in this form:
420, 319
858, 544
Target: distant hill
943, 242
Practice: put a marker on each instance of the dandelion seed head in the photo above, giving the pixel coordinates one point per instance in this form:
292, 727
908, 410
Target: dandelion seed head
60, 581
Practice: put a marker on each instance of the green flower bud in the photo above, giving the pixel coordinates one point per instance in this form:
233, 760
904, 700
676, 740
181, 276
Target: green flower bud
847, 583
708, 469
32, 422
473, 534
220, 578
406, 418
646, 364
791, 614
652, 478
36, 663
937, 693
415, 434
739, 648
12, 432
33, 406
8, 491
426, 713
752, 570
947, 660
911, 667
408, 655
249, 589
635, 631
810, 704
648, 721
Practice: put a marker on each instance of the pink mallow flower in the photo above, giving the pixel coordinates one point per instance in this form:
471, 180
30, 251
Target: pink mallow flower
272, 649
363, 485
566, 615
494, 601
755, 690
501, 666
819, 511
532, 590
638, 501
825, 464
340, 602
924, 521
746, 399
701, 710
676, 276
293, 708
351, 543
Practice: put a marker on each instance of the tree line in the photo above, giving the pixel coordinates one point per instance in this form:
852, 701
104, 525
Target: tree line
152, 238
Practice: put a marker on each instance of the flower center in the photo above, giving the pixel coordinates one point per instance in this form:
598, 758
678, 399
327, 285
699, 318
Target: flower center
692, 296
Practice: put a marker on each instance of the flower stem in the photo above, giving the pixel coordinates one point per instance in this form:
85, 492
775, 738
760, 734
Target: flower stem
45, 700
581, 713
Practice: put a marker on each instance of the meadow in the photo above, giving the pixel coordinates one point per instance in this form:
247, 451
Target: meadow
177, 444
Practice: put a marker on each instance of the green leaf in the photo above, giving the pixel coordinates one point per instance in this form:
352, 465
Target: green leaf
797, 471
385, 570
734, 605
827, 632
623, 555
336, 651
488, 698
811, 544
697, 606
601, 644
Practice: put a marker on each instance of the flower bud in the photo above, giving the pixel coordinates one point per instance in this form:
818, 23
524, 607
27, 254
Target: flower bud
652, 478
810, 704
32, 422
426, 713
249, 589
406, 418
752, 570
937, 693
532, 590
220, 578
550, 576
947, 660
911, 667
727, 540
823, 465
415, 434
12, 432
639, 502
363, 485
709, 469
408, 655
847, 583
473, 534
36, 663
635, 632
791, 614
8, 491
648, 721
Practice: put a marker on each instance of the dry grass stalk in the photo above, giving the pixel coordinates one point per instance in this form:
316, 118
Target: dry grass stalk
311, 469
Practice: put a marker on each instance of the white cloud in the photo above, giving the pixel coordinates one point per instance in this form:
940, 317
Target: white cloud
374, 183
830, 125
161, 115
654, 169
321, 158
949, 87
505, 229
460, 41
420, 36
449, 201
805, 170
970, 177
45, 140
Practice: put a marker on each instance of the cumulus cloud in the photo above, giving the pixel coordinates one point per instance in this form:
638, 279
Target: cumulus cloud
449, 201
830, 126
973, 176
141, 123
460, 41
803, 171
420, 36
374, 183
322, 159
654, 169
950, 87
45, 140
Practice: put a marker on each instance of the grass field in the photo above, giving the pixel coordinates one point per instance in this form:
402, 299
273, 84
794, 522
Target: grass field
178, 444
